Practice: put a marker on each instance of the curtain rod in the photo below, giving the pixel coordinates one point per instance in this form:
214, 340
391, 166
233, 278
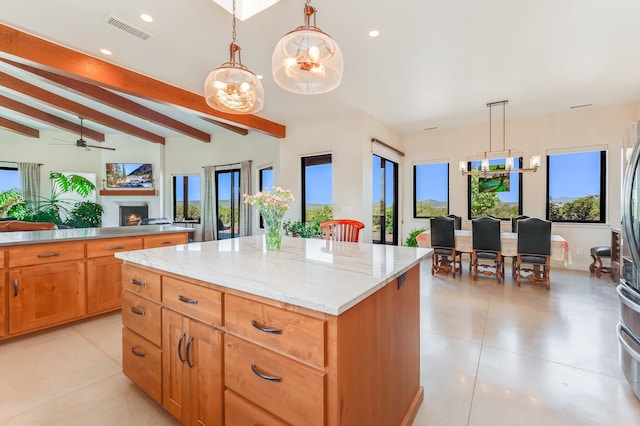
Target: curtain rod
225, 165
16, 162
379, 142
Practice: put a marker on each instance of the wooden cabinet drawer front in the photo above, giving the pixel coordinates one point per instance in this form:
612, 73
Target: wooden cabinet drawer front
1, 259
142, 282
298, 396
142, 363
38, 254
108, 246
240, 412
287, 331
142, 316
201, 303
165, 240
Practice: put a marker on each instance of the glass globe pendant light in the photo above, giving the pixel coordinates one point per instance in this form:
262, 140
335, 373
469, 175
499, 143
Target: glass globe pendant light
232, 87
307, 60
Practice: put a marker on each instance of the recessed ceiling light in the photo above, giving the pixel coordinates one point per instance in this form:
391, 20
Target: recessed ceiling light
146, 18
374, 33
259, 76
105, 51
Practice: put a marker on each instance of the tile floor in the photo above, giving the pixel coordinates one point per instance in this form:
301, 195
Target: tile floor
492, 354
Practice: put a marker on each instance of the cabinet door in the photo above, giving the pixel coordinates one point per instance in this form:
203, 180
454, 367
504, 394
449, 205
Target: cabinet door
174, 340
45, 295
3, 312
204, 361
104, 284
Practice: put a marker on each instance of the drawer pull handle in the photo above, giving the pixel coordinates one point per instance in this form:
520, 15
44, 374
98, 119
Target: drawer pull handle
165, 242
187, 352
41, 255
116, 248
187, 300
15, 287
137, 312
137, 353
136, 282
265, 329
180, 347
264, 375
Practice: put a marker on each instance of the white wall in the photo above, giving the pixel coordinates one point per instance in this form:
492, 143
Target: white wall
597, 127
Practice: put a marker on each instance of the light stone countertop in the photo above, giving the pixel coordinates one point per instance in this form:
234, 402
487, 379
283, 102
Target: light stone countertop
37, 237
321, 275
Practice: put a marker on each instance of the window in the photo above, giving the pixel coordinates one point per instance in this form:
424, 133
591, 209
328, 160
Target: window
431, 190
385, 201
497, 195
316, 188
9, 178
576, 184
186, 198
265, 183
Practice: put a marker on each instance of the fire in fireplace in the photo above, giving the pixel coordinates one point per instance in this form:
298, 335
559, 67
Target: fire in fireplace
132, 215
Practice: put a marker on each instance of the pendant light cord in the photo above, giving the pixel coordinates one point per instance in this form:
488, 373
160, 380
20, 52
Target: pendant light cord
234, 23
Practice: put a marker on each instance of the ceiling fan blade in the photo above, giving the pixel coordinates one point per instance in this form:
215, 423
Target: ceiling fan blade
58, 139
100, 147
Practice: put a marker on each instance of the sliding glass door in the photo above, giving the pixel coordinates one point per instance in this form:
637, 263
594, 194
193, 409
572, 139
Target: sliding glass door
385, 201
228, 203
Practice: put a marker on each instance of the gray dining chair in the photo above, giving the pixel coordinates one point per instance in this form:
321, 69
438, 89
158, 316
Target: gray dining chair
534, 249
486, 257
444, 258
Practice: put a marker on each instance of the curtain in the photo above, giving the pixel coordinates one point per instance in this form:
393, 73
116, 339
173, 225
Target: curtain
209, 222
29, 174
245, 188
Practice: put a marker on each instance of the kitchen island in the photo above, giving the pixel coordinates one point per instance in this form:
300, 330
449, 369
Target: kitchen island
318, 333
53, 277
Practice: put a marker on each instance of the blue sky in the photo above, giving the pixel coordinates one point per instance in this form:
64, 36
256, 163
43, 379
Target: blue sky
318, 181
194, 188
572, 175
8, 180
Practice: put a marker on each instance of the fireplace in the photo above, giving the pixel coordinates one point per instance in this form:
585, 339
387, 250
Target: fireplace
132, 215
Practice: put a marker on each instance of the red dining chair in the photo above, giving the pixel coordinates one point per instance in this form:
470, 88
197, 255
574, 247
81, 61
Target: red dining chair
341, 229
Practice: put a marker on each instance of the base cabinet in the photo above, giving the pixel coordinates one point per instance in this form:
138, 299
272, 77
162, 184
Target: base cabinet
192, 370
104, 284
3, 295
45, 295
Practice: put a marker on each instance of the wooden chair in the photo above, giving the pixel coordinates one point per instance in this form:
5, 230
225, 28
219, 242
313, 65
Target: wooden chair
514, 229
534, 248
443, 242
458, 226
485, 232
341, 230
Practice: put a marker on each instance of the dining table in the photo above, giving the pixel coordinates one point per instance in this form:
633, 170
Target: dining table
508, 241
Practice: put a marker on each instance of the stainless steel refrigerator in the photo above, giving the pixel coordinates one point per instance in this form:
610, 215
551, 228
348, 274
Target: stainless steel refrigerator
629, 287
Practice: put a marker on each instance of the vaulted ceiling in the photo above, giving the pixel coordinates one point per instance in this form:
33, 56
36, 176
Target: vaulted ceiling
435, 64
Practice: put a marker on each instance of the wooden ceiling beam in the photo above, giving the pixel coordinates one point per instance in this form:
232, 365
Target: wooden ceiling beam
50, 119
19, 128
115, 101
75, 108
238, 130
78, 65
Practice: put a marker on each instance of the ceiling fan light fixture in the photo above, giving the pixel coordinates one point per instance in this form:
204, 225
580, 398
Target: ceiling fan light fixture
232, 88
307, 60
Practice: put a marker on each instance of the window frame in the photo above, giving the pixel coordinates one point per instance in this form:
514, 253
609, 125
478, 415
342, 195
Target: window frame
260, 188
603, 187
185, 190
415, 187
15, 169
315, 160
518, 165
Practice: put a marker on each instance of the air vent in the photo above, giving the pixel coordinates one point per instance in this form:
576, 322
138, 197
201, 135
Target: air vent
128, 28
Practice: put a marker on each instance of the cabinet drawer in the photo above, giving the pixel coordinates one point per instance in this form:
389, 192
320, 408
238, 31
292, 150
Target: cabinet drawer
287, 331
142, 282
295, 392
240, 412
164, 240
108, 246
201, 303
39, 254
142, 363
142, 316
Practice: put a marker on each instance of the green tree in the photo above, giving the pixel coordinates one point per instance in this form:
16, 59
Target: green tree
581, 209
481, 202
320, 214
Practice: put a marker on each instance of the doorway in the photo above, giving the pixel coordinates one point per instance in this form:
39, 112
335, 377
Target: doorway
385, 201
228, 203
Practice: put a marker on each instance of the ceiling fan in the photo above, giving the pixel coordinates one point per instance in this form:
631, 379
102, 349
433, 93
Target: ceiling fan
81, 143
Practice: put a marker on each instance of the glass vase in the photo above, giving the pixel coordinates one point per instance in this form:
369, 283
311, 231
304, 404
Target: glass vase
273, 231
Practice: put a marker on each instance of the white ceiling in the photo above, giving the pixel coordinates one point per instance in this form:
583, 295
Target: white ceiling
435, 63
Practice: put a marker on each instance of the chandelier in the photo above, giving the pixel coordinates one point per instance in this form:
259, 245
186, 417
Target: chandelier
307, 60
232, 88
534, 161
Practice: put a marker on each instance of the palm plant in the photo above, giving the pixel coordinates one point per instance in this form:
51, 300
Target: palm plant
55, 208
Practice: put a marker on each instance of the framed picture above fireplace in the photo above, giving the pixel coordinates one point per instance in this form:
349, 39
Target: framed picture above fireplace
129, 175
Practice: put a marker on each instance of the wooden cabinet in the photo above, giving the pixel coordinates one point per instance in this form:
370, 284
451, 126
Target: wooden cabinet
165, 240
192, 370
104, 275
45, 295
3, 295
142, 363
